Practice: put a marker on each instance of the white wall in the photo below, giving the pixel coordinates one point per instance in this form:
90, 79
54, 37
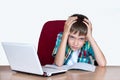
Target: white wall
22, 20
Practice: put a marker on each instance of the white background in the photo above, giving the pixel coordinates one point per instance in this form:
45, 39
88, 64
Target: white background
22, 21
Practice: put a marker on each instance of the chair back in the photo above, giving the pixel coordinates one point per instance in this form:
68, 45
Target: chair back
47, 40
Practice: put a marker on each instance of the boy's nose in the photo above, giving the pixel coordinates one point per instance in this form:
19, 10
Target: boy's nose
76, 42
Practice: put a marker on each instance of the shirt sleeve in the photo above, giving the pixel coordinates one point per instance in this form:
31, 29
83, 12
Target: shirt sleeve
90, 50
58, 41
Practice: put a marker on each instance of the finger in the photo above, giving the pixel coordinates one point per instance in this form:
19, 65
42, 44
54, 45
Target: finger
72, 23
87, 21
70, 19
87, 24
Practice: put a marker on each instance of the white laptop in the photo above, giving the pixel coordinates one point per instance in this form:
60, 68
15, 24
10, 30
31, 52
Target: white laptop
23, 57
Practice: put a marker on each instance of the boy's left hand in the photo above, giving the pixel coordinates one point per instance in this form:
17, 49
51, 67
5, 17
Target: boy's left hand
89, 26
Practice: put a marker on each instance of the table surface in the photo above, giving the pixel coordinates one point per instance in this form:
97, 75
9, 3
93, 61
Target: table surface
101, 73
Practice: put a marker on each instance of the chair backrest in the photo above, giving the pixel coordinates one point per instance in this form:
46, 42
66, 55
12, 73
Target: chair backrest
47, 40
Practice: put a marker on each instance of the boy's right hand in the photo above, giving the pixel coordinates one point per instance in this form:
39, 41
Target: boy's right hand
68, 24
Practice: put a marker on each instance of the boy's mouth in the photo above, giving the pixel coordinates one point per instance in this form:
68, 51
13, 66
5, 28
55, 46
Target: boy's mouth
74, 48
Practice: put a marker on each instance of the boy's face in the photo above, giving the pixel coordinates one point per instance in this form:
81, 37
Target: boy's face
75, 41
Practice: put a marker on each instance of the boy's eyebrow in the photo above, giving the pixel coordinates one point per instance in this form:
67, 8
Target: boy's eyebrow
75, 37
71, 35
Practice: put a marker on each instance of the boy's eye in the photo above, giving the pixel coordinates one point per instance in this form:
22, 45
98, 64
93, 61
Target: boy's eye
71, 37
81, 38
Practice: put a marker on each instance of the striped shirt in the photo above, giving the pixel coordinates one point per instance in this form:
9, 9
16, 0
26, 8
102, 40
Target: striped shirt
83, 56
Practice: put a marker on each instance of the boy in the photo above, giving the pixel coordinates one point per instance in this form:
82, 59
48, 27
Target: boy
76, 43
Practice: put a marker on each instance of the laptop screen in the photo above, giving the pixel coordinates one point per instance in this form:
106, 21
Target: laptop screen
22, 57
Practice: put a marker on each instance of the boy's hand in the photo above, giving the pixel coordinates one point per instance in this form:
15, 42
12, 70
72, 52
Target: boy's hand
89, 26
68, 24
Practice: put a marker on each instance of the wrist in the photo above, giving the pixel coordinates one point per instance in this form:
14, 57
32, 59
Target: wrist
90, 38
65, 33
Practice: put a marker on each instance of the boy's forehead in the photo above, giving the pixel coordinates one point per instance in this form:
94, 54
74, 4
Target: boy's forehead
76, 34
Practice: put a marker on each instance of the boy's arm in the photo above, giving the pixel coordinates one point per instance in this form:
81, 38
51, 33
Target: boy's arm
100, 58
59, 58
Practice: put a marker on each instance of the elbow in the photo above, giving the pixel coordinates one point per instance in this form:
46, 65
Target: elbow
58, 64
103, 64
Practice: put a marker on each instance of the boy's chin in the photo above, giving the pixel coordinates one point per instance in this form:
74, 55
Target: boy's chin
74, 49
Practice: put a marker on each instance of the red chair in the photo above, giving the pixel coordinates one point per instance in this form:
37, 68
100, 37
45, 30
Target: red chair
47, 40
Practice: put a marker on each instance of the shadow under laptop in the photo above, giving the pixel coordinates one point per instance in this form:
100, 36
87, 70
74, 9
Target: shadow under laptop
16, 75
